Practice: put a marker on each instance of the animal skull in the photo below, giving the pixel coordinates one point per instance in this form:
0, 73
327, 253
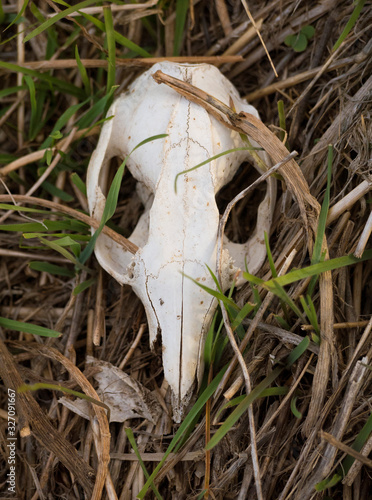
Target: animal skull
177, 233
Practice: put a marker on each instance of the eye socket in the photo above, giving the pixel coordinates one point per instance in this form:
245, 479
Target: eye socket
243, 216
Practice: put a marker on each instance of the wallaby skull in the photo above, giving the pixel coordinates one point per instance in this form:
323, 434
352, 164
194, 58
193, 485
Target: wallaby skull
177, 233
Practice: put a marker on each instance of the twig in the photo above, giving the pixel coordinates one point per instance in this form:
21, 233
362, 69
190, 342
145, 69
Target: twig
348, 201
114, 8
140, 63
258, 34
347, 449
364, 237
133, 346
223, 15
355, 468
90, 221
348, 324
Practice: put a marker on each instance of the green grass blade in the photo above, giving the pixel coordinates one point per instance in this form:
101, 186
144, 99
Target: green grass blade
79, 183
271, 391
110, 39
280, 292
205, 162
52, 20
282, 122
60, 249
63, 86
182, 7
56, 191
46, 267
317, 252
255, 393
220, 296
83, 73
34, 118
294, 410
97, 109
214, 277
243, 313
324, 212
306, 272
120, 39
350, 24
2, 15
18, 326
11, 90
130, 436
358, 444
61, 122
83, 286
270, 256
19, 15
6, 206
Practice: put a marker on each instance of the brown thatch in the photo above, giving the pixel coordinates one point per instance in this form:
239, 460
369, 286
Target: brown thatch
327, 97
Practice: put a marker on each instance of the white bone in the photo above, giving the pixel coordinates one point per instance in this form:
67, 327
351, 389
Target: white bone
177, 234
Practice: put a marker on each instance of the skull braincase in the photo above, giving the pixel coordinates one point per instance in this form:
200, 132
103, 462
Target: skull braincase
177, 233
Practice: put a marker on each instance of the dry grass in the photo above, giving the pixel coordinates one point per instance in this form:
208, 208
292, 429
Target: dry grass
327, 97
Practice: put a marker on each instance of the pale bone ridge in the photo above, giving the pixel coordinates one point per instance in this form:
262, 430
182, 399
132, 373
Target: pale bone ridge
177, 233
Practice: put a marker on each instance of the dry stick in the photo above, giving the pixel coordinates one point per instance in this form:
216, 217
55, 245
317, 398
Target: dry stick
114, 8
100, 449
315, 79
191, 456
348, 324
265, 429
348, 201
99, 327
90, 221
244, 39
259, 34
223, 15
253, 325
347, 449
14, 106
315, 61
364, 237
4, 252
355, 468
145, 62
133, 346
